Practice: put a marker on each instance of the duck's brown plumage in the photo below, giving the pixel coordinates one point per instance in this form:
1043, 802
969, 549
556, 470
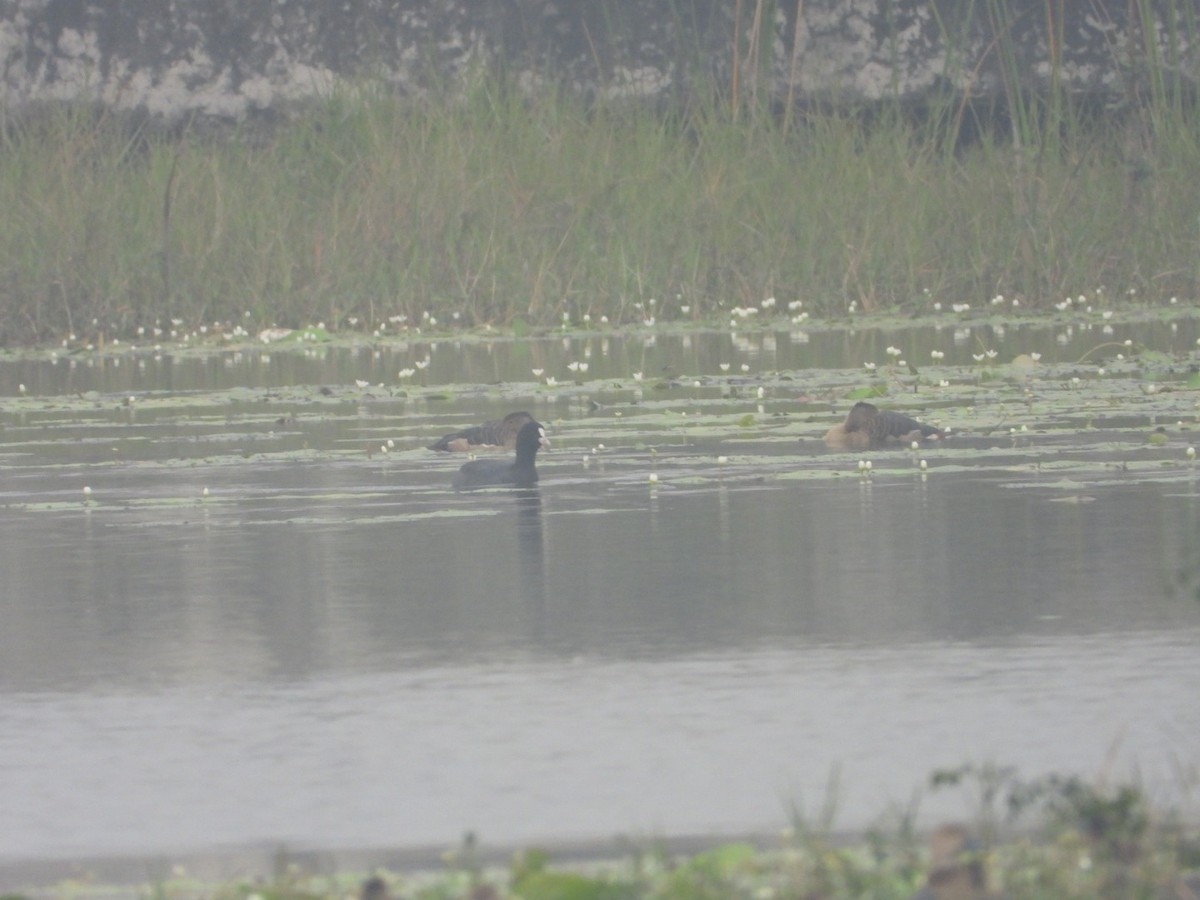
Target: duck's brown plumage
497, 433
867, 427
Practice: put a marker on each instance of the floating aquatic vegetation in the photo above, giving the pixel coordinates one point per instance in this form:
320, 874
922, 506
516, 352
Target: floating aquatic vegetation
1133, 420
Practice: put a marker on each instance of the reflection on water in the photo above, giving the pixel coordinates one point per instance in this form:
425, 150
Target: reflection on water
470, 361
537, 749
613, 571
576, 660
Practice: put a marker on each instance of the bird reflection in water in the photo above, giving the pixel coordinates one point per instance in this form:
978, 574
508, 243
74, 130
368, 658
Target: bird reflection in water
531, 551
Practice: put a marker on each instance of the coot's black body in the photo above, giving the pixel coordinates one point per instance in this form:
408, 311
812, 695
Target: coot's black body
519, 472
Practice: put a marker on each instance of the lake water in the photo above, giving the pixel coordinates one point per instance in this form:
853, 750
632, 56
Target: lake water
331, 649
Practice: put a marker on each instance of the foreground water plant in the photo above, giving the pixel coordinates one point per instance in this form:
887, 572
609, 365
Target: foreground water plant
1086, 840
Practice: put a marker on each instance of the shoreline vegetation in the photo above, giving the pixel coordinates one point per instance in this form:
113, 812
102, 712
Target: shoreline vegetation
1052, 837
490, 208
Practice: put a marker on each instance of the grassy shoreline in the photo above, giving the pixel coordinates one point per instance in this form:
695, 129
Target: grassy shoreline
1055, 865
1053, 837
502, 210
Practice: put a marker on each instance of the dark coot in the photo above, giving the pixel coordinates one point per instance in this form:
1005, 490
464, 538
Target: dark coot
520, 472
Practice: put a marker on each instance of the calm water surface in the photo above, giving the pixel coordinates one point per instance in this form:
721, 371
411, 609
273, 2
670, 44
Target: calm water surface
337, 651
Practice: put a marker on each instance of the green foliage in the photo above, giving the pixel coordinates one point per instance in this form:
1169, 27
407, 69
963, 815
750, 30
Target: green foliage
493, 207
567, 886
1096, 841
727, 870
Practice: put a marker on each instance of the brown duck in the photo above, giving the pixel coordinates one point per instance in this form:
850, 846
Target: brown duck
494, 434
868, 427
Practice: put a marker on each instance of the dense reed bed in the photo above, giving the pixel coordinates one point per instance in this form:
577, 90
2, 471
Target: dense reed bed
491, 206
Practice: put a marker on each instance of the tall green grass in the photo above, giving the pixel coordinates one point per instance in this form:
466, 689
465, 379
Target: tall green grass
489, 205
